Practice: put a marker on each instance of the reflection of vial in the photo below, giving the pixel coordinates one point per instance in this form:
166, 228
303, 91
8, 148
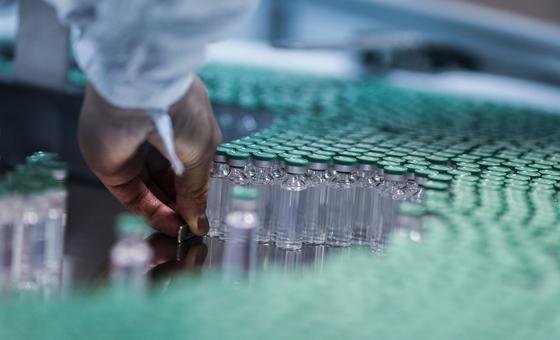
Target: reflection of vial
219, 172
29, 242
291, 205
242, 223
131, 256
340, 199
237, 162
9, 206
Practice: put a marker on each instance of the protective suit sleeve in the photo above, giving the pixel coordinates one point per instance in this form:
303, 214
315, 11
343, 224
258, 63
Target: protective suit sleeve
142, 54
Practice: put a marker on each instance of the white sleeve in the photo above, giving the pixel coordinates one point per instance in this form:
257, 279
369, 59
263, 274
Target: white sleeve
143, 53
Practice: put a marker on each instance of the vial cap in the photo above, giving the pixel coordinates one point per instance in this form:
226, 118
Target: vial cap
367, 160
264, 156
498, 169
41, 156
300, 152
349, 154
222, 151
394, 170
424, 172
343, 160
295, 161
435, 159
326, 153
239, 155
437, 186
373, 154
318, 158
440, 178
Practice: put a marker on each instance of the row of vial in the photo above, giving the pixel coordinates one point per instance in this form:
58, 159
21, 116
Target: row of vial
32, 224
335, 201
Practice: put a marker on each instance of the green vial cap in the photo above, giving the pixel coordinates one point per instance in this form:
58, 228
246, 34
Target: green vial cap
342, 160
231, 154
441, 168
222, 151
424, 173
264, 156
436, 186
440, 178
434, 159
300, 153
295, 161
374, 154
283, 148
397, 160
394, 170
326, 153
349, 154
318, 158
367, 160
532, 174
498, 169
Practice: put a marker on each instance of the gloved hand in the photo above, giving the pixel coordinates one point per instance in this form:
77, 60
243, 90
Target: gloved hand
123, 149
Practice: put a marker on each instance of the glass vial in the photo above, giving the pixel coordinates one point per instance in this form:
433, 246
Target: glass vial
291, 205
263, 181
237, 162
340, 197
315, 223
218, 174
364, 200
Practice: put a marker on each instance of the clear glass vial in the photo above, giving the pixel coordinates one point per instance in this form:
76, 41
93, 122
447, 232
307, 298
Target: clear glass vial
315, 223
263, 181
340, 198
365, 199
218, 174
291, 205
237, 162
